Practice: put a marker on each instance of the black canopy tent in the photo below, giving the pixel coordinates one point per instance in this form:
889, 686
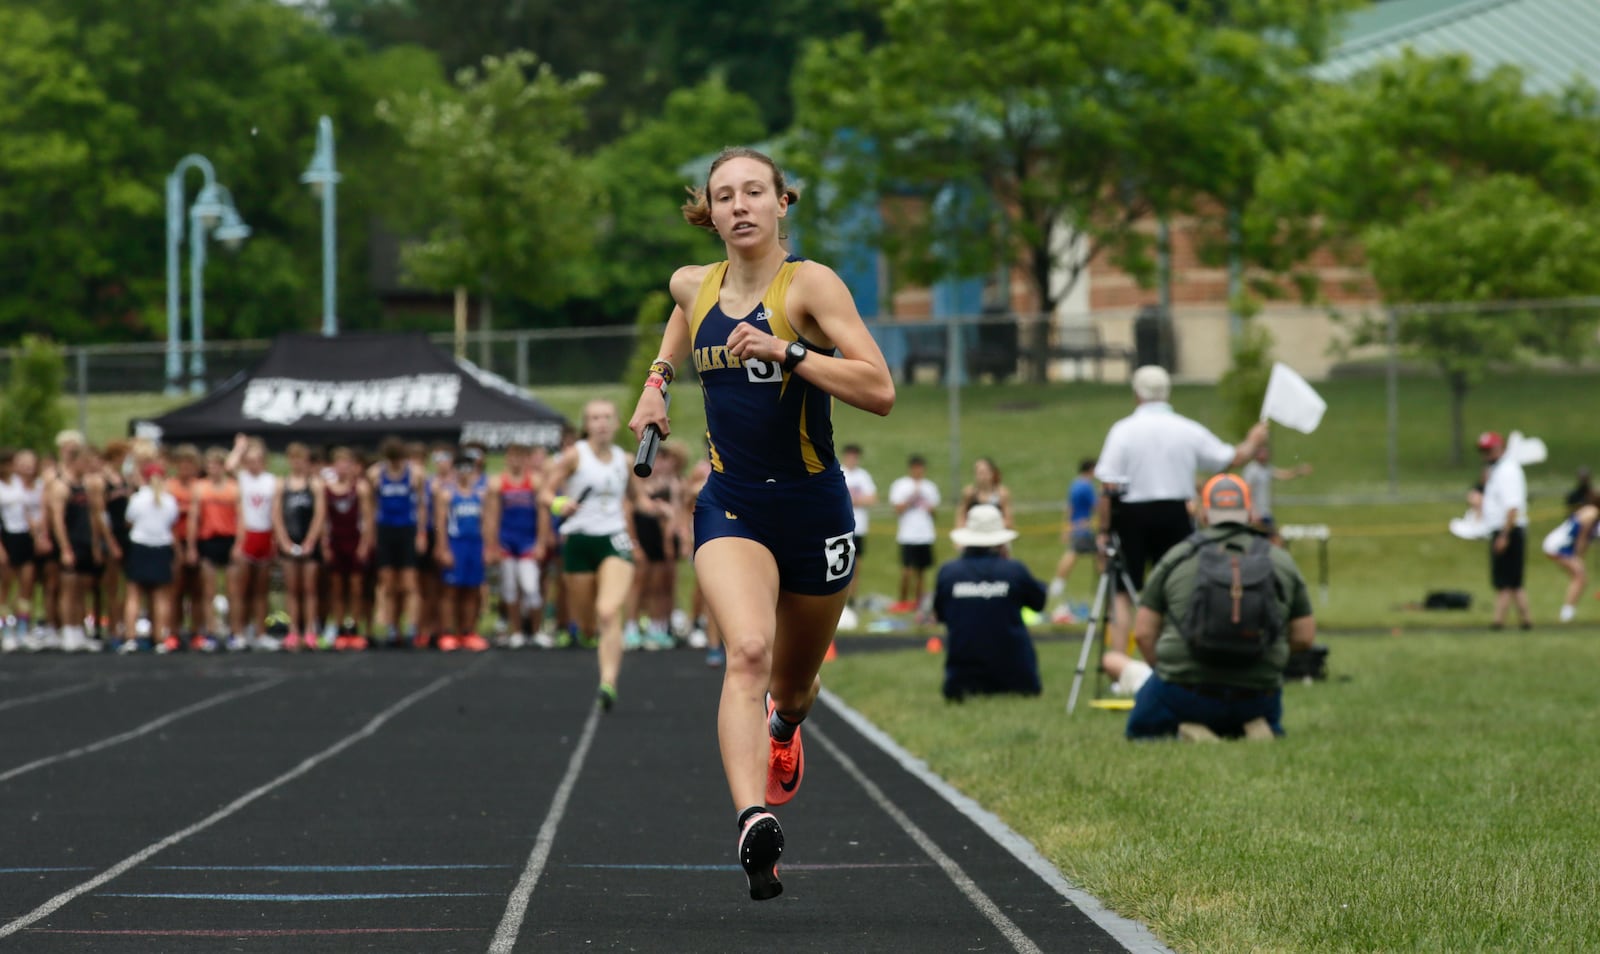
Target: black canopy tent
357, 389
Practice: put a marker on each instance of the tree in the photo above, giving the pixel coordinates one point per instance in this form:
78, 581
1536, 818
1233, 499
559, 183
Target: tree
1022, 125
642, 182
31, 415
1500, 239
119, 90
516, 208
645, 50
1450, 185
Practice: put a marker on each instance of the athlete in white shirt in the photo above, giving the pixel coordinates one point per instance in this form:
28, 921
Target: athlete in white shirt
914, 497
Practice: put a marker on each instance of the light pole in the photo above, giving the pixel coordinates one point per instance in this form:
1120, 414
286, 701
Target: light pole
212, 210
322, 176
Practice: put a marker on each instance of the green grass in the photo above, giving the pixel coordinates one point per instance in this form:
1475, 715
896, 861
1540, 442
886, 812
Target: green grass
1436, 794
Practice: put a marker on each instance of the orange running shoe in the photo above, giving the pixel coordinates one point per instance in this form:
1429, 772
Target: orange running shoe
786, 763
448, 644
472, 642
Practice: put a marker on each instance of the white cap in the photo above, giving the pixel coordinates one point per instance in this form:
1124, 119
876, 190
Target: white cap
986, 527
1151, 383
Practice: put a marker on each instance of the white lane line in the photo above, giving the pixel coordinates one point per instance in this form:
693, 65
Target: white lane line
505, 936
145, 729
145, 854
1020, 942
1132, 935
50, 694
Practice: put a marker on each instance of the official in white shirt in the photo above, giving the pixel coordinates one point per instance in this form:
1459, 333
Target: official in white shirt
1148, 470
1505, 511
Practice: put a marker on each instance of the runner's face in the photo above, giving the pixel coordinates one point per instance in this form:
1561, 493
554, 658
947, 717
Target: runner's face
745, 204
600, 420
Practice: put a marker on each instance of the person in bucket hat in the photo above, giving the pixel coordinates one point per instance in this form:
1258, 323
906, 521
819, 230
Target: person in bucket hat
979, 597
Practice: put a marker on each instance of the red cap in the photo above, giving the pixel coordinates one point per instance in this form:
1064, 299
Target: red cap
1489, 440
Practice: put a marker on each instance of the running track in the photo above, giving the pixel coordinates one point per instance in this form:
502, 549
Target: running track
407, 802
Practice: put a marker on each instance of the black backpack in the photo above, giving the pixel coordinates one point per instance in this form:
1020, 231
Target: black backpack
1234, 614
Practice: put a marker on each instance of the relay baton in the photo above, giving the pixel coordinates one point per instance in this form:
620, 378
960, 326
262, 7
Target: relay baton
645, 460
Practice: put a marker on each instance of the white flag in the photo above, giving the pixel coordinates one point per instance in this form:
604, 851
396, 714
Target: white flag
1526, 451
1291, 401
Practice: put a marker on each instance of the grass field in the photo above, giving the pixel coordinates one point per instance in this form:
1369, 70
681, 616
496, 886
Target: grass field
1435, 794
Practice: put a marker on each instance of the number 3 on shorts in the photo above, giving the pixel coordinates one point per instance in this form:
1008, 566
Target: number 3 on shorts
840, 554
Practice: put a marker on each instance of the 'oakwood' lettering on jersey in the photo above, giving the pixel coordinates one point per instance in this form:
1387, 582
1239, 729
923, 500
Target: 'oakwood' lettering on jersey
715, 358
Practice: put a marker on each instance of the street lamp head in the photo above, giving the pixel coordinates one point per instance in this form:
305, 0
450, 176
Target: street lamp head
231, 231
208, 205
322, 173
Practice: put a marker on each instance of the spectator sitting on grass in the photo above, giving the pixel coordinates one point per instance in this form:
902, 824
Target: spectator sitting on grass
979, 597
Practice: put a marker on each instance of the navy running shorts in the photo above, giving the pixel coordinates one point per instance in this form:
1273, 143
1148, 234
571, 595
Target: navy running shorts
808, 525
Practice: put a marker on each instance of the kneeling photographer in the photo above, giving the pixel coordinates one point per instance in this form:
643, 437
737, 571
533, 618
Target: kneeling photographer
1218, 616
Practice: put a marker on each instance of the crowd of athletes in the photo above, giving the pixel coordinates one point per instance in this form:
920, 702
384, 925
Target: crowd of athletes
133, 547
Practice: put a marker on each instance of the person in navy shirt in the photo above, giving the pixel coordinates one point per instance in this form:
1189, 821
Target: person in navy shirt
979, 596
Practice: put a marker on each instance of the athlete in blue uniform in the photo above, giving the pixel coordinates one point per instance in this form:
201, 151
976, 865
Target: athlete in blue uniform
775, 339
400, 518
465, 528
1567, 546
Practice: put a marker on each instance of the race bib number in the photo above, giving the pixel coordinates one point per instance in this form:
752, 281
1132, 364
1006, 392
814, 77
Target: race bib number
762, 372
840, 554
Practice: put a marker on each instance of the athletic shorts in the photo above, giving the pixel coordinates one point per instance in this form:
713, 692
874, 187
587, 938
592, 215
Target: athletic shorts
1506, 569
1083, 542
83, 559
515, 548
217, 551
584, 553
652, 543
257, 547
19, 547
807, 524
1147, 530
1560, 542
342, 557
916, 556
396, 549
467, 569
148, 566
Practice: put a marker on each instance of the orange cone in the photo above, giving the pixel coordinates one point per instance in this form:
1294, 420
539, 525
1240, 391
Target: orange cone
935, 644
833, 652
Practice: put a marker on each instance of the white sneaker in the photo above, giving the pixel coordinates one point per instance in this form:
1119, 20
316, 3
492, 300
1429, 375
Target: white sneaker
698, 639
10, 643
266, 644
73, 641
516, 641
1567, 613
544, 640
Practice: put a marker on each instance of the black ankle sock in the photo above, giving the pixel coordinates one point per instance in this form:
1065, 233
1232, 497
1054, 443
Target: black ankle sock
744, 816
780, 728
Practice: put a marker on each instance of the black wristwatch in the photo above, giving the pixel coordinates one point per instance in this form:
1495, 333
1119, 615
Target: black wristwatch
793, 355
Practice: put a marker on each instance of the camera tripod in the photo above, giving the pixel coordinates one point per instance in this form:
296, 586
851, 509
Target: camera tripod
1113, 580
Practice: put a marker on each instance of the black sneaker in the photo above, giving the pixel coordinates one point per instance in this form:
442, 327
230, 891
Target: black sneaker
760, 846
607, 696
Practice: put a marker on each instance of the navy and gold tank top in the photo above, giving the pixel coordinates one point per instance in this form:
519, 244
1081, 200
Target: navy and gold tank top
762, 423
